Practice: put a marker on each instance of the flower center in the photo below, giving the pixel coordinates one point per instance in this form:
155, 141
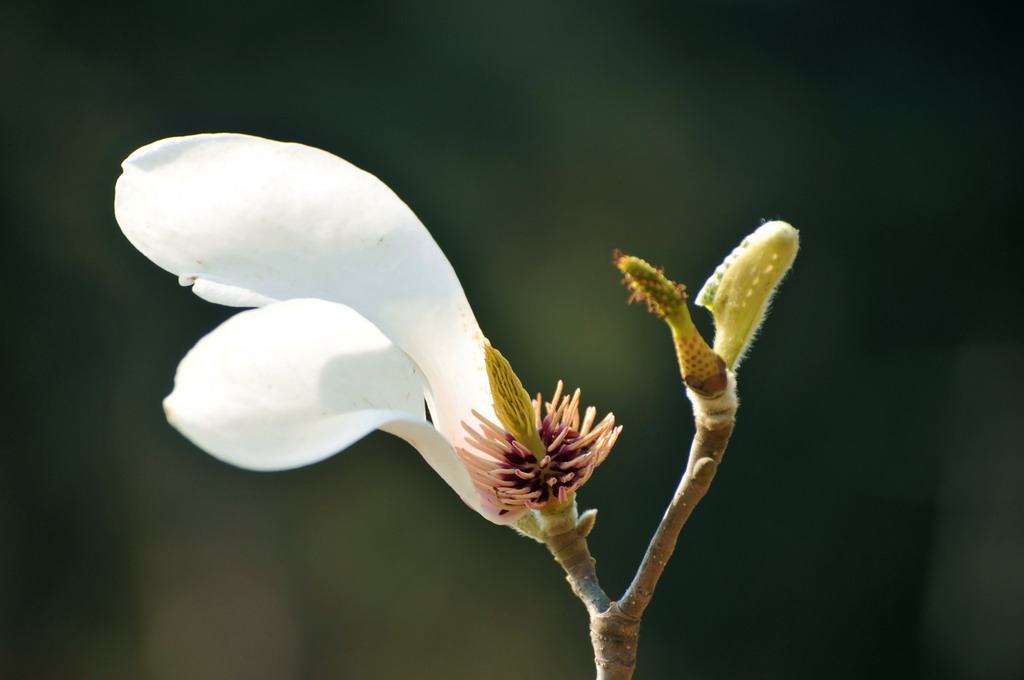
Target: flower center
511, 477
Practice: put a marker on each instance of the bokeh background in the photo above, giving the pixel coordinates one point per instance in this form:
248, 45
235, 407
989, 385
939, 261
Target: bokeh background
869, 519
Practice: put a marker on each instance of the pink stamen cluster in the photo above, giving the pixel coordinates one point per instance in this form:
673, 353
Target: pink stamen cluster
514, 478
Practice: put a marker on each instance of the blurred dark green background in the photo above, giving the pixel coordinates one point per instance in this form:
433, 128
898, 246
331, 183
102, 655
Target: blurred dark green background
869, 520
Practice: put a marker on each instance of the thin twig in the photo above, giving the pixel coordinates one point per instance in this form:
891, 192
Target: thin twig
715, 419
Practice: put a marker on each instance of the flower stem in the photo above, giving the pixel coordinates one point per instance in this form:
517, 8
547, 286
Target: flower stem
566, 539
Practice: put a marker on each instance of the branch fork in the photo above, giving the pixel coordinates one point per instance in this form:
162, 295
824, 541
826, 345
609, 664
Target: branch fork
615, 625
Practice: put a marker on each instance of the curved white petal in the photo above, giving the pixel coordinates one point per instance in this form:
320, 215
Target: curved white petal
294, 382
251, 220
225, 294
437, 451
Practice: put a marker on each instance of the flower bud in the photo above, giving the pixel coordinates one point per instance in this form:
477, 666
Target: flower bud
739, 291
702, 370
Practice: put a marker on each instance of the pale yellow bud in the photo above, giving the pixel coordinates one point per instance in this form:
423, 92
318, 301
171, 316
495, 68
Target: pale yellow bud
739, 291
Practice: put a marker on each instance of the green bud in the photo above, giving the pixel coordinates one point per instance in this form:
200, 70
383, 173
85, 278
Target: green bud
702, 370
666, 299
739, 291
512, 404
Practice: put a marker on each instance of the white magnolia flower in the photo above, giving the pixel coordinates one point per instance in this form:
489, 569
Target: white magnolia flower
359, 320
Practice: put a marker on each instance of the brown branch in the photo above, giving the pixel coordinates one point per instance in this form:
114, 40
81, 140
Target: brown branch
709, 442
614, 636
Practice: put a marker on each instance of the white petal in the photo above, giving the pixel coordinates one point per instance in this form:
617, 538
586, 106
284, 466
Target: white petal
437, 451
225, 294
294, 382
252, 220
